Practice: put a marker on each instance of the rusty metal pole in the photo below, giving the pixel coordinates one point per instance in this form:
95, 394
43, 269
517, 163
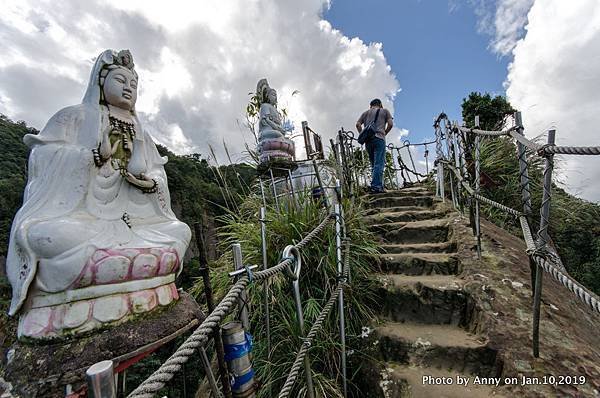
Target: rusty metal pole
210, 303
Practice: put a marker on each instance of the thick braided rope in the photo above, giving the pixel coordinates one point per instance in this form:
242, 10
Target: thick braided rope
581, 292
556, 270
527, 236
316, 328
149, 387
497, 205
486, 132
481, 198
571, 150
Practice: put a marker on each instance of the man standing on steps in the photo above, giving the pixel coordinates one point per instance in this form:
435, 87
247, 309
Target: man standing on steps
382, 121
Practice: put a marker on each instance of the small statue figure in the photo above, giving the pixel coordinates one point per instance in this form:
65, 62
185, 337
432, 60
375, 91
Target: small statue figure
96, 241
272, 143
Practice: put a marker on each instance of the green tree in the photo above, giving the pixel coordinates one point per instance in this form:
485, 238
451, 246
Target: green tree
492, 111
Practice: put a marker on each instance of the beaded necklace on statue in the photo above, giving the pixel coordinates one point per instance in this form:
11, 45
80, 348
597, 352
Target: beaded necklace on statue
122, 133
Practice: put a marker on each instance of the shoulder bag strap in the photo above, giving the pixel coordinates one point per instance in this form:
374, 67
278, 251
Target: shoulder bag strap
374, 122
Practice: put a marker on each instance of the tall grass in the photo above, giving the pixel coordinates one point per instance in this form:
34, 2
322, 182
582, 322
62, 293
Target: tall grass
317, 280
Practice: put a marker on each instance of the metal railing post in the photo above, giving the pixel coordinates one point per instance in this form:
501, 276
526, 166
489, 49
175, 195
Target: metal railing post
306, 134
543, 243
426, 156
457, 158
477, 189
523, 168
291, 251
263, 239
320, 181
524, 185
451, 149
101, 380
439, 165
396, 168
243, 300
462, 160
262, 191
338, 158
340, 270
274, 188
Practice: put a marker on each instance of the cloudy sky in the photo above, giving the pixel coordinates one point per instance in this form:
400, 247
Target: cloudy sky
198, 60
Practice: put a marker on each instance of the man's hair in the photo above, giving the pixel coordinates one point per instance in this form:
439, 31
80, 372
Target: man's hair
376, 102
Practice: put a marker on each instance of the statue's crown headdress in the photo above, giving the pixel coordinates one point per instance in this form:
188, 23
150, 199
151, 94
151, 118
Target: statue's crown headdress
260, 89
125, 59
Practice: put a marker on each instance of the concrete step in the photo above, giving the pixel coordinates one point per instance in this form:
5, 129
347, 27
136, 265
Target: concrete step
420, 201
409, 381
433, 299
397, 209
426, 231
419, 263
401, 193
384, 217
441, 346
442, 247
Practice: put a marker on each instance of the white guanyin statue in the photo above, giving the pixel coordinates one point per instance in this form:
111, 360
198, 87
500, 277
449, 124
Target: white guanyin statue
95, 242
272, 143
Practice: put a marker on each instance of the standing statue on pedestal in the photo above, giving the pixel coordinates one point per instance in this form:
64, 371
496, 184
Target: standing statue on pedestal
272, 143
96, 241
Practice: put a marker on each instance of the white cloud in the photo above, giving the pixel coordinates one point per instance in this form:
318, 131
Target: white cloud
197, 63
554, 81
504, 20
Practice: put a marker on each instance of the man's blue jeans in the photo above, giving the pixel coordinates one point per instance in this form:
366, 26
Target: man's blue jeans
376, 150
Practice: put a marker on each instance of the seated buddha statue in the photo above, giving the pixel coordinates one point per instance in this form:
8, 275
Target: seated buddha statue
95, 241
272, 142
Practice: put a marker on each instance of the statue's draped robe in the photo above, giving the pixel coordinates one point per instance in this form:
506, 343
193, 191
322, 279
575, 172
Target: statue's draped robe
71, 207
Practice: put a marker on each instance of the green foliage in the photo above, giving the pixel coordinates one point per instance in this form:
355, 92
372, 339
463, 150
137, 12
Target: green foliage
491, 111
318, 279
573, 221
13, 174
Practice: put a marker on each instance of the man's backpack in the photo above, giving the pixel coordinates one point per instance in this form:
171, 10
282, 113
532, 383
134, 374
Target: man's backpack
369, 131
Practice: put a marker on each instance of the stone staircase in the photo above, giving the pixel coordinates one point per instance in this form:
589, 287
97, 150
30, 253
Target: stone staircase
421, 332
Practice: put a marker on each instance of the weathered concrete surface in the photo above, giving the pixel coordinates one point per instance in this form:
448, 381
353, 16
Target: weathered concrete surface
43, 370
445, 313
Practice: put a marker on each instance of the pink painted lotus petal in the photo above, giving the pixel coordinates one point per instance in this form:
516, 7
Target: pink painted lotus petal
143, 301
112, 269
144, 266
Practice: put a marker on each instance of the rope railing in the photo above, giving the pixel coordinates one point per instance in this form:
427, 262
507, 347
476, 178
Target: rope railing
486, 132
539, 250
571, 150
315, 329
149, 387
479, 197
552, 264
